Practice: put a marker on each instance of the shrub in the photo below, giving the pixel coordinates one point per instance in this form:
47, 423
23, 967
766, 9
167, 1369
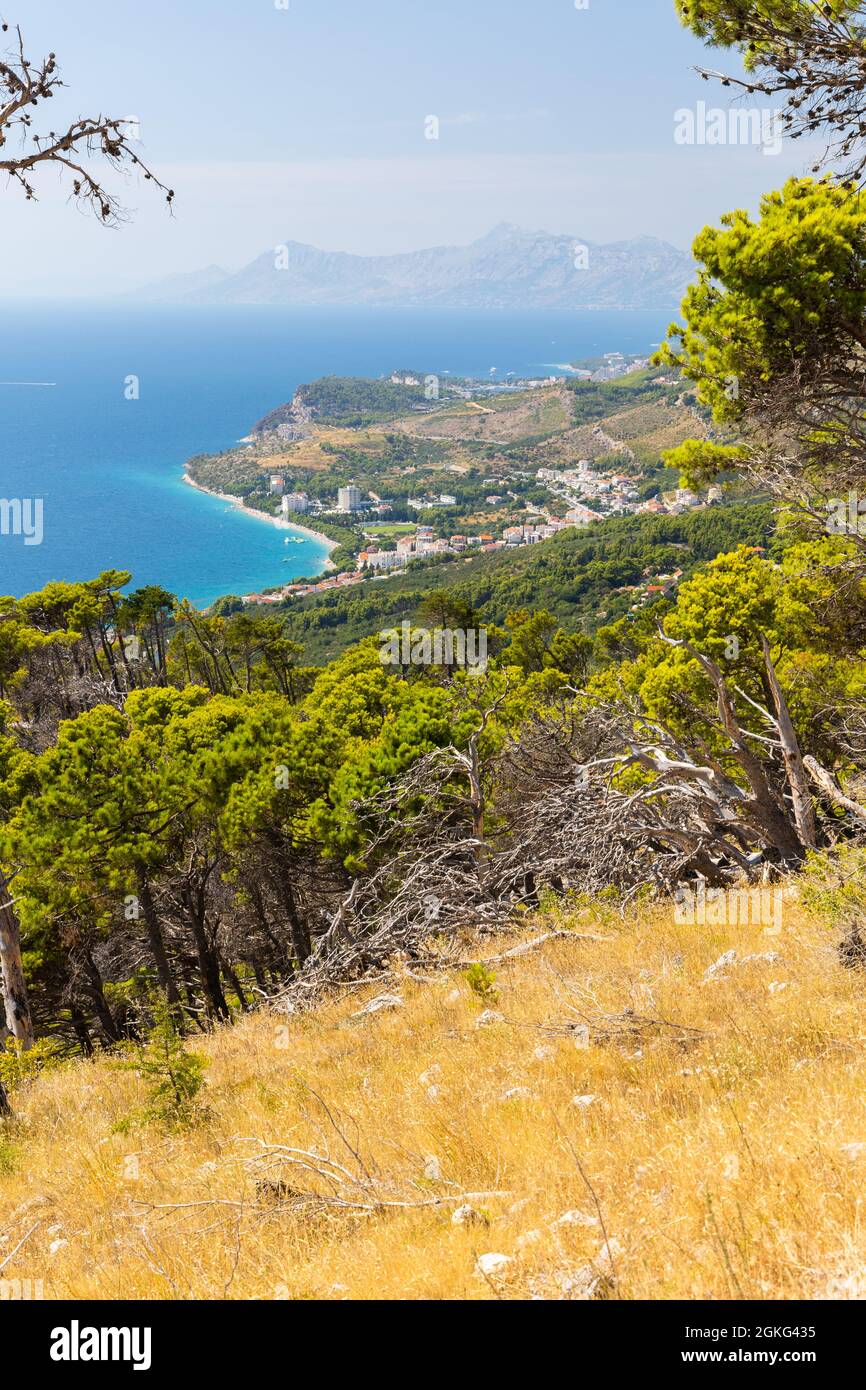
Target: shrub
173, 1075
18, 1066
482, 982
834, 885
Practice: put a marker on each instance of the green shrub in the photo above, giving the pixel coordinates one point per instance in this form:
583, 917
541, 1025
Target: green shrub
482, 982
18, 1066
834, 885
173, 1075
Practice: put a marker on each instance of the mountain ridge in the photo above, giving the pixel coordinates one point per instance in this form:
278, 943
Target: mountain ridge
509, 267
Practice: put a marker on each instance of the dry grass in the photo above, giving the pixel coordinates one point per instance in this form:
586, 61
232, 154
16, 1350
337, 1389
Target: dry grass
718, 1163
503, 419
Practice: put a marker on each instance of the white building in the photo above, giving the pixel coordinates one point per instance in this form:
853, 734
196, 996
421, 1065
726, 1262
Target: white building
295, 502
384, 560
582, 516
349, 498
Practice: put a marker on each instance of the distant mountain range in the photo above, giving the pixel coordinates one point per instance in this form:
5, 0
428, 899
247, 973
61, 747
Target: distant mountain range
508, 269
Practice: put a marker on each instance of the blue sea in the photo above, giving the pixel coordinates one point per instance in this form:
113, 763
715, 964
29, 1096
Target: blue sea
109, 469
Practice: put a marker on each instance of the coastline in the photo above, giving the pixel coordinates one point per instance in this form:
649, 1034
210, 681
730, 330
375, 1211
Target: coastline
274, 520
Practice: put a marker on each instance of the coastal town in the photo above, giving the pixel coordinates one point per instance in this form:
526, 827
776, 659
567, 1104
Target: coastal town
585, 495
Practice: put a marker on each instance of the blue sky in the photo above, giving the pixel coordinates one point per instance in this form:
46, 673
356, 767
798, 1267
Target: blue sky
308, 123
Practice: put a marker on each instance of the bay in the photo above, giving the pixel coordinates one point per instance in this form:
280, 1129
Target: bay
109, 469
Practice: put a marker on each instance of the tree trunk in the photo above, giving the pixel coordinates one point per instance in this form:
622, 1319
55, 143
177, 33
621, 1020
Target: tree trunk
79, 1024
477, 802
301, 942
157, 943
804, 811
280, 964
827, 782
97, 994
767, 811
18, 1019
232, 976
208, 965
300, 936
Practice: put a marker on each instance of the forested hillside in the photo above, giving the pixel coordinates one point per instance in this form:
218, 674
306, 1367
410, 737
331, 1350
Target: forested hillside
190, 807
585, 579
496, 930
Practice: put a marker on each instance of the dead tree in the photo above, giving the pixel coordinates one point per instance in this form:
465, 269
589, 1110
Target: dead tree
18, 1019
24, 85
585, 797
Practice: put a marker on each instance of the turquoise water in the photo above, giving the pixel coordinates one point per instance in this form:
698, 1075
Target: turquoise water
109, 469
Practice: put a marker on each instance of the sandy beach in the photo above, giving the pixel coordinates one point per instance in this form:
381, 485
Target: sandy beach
274, 520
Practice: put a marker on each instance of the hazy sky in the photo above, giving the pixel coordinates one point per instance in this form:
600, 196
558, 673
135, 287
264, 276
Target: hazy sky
308, 123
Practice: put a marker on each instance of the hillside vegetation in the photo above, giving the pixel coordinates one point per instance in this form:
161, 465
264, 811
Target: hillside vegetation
716, 1148
394, 443
586, 578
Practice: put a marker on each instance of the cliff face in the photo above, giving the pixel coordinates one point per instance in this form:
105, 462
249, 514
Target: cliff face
510, 268
294, 416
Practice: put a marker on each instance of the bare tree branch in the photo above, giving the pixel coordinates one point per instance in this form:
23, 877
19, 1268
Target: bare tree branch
23, 86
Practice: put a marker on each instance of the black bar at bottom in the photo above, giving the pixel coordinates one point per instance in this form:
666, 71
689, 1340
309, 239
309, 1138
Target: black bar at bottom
60, 1340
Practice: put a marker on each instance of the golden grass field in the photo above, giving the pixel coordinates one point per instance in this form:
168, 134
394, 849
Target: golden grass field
724, 1162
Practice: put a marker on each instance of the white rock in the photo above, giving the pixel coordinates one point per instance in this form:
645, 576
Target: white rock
489, 1016
610, 1251
57, 1245
720, 966
776, 986
583, 1102
528, 1238
582, 1285
574, 1218
581, 1037
382, 1001
493, 1263
467, 1216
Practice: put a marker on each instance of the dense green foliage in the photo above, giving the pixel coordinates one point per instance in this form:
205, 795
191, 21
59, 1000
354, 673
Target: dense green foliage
349, 401
584, 577
183, 802
789, 288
